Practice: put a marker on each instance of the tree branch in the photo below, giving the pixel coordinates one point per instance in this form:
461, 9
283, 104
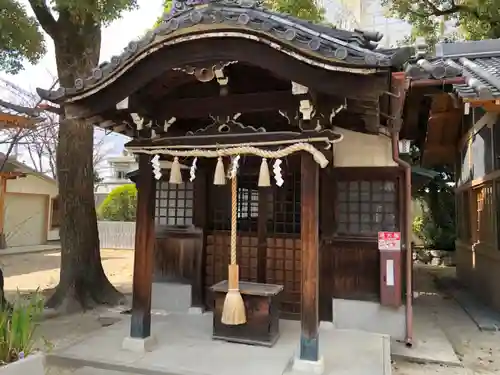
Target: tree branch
45, 17
453, 9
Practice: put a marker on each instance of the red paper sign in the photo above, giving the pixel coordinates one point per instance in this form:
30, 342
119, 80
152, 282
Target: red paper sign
389, 241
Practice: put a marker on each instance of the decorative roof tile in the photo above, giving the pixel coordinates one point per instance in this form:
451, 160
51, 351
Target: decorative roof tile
478, 62
482, 75
353, 49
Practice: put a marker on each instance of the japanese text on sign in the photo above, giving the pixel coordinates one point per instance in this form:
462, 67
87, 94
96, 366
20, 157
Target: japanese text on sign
389, 241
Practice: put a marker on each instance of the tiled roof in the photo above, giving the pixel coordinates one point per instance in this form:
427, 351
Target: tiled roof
349, 48
477, 62
15, 110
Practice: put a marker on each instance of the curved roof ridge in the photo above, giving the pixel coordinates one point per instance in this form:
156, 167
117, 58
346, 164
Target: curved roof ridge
354, 49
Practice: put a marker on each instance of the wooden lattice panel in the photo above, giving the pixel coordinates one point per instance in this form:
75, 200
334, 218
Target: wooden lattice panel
218, 257
283, 267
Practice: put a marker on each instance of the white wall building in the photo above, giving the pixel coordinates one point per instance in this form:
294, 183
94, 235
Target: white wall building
116, 171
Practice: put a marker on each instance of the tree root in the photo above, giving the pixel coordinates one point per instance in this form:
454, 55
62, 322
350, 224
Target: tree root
68, 298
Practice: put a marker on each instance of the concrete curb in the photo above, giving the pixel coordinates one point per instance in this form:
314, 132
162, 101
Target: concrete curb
386, 354
425, 361
30, 249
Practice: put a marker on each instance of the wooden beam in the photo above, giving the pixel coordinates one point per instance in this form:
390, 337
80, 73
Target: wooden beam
229, 105
309, 346
144, 247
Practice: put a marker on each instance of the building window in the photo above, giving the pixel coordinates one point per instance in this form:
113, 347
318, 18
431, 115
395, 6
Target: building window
464, 216
365, 208
174, 203
483, 227
55, 215
248, 203
121, 175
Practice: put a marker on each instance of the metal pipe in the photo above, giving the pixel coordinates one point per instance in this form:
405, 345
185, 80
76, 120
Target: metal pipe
407, 234
437, 82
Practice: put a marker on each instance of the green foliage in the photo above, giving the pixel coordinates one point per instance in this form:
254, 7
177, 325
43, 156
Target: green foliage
120, 204
20, 37
102, 11
436, 227
18, 326
477, 19
306, 9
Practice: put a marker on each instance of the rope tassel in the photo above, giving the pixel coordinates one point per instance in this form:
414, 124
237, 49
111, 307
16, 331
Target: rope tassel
220, 175
264, 177
175, 172
233, 312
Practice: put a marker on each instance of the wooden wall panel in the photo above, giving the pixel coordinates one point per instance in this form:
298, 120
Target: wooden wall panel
283, 257
355, 268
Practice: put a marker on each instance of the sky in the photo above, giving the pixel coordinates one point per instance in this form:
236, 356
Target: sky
114, 38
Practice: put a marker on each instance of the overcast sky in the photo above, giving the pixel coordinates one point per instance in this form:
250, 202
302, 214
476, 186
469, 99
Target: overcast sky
114, 38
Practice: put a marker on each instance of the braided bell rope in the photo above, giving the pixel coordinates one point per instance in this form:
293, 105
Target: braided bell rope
240, 150
234, 209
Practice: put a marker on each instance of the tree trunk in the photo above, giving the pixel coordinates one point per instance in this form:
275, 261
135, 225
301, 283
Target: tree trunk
83, 283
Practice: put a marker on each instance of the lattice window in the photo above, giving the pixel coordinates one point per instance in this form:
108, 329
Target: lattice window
366, 207
463, 216
286, 210
174, 203
484, 222
248, 203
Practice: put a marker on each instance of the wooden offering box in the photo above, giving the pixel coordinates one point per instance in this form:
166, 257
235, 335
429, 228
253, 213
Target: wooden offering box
262, 303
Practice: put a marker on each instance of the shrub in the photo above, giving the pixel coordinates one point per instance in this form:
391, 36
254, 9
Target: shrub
17, 327
434, 236
120, 204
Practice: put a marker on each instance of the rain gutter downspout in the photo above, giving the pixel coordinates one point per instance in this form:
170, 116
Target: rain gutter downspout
400, 86
406, 235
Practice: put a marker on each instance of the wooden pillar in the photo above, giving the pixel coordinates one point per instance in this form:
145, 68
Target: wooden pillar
144, 248
309, 185
200, 202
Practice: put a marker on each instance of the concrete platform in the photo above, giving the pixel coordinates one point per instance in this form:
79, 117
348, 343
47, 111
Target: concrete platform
185, 347
430, 344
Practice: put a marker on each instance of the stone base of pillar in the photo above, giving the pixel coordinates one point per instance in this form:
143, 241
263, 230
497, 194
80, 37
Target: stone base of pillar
139, 345
301, 366
195, 311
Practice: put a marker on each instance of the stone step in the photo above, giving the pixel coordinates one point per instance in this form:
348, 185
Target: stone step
98, 371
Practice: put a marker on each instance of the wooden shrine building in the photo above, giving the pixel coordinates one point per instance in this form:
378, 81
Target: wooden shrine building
452, 112
308, 119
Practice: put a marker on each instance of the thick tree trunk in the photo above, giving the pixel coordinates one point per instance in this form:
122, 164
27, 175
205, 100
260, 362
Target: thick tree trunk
83, 283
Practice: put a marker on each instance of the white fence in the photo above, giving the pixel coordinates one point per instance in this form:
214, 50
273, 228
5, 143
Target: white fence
116, 234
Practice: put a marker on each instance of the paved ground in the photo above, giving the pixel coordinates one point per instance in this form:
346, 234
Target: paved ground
182, 337
479, 351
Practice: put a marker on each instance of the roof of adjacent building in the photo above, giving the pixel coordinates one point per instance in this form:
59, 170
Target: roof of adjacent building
13, 115
478, 62
348, 48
